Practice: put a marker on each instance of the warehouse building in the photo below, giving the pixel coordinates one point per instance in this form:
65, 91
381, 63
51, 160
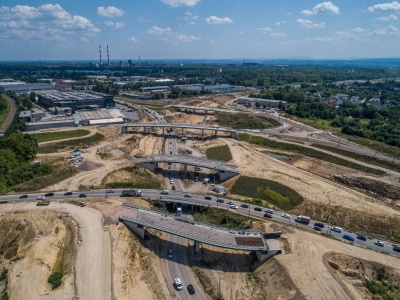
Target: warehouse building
19, 86
76, 100
246, 101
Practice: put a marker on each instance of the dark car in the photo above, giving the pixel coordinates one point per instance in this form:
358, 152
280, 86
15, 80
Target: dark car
68, 194
208, 197
23, 196
219, 200
190, 289
173, 188
82, 196
361, 237
258, 208
49, 194
244, 205
321, 225
267, 215
317, 228
348, 237
396, 248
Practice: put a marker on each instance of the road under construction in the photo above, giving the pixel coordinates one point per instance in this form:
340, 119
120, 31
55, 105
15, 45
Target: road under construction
224, 170
138, 218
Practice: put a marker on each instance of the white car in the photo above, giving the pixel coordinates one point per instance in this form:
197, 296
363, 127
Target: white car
171, 182
336, 229
40, 198
379, 243
233, 207
230, 202
178, 284
187, 195
286, 216
110, 191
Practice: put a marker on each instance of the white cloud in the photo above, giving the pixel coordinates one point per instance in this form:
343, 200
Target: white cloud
159, 31
394, 6
212, 42
310, 24
277, 23
277, 34
264, 29
388, 30
133, 40
216, 20
359, 30
324, 7
320, 39
178, 3
110, 11
47, 22
116, 25
389, 18
192, 23
166, 34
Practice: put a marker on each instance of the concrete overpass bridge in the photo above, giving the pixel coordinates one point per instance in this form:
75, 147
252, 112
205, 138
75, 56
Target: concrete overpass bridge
224, 170
138, 219
216, 129
206, 109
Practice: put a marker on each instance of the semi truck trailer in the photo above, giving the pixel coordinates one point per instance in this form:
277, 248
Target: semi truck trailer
303, 219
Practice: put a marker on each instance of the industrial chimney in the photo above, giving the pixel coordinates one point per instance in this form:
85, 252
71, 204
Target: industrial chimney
108, 56
101, 62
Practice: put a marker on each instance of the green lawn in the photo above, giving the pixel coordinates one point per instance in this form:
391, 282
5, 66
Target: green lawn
60, 135
4, 112
219, 153
271, 191
245, 121
258, 140
223, 217
72, 144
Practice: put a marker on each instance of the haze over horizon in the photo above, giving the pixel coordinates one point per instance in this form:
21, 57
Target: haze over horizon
199, 29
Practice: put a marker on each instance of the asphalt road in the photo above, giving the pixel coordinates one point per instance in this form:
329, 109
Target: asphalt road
197, 199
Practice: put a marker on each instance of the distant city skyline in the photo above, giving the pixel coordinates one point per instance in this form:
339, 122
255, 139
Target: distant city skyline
198, 29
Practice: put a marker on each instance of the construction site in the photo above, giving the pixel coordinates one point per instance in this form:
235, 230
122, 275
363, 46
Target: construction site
141, 260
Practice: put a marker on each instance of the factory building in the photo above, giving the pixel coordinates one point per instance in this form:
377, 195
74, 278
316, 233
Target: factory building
12, 86
76, 100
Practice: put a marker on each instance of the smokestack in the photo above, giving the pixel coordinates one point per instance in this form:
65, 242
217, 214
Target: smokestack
101, 62
139, 61
108, 56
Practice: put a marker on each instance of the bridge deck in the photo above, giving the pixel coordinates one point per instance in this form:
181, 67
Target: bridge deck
192, 161
180, 125
205, 108
196, 231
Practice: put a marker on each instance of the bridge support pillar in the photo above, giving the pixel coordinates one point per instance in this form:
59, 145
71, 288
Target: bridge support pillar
216, 133
123, 130
235, 135
196, 247
163, 131
184, 171
262, 255
151, 166
139, 230
206, 112
224, 175
202, 134
145, 129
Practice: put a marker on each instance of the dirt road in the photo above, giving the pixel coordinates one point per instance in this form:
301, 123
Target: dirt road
93, 260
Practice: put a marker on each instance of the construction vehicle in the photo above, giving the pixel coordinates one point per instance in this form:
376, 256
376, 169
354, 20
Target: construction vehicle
42, 203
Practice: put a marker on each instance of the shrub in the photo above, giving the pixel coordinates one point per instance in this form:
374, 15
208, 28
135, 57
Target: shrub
55, 279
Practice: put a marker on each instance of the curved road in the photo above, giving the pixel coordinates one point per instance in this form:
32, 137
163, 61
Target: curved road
8, 120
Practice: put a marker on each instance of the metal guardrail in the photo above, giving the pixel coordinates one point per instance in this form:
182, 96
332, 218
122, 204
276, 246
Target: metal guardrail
192, 237
242, 231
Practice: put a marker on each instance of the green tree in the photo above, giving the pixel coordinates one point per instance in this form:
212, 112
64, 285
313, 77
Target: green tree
257, 104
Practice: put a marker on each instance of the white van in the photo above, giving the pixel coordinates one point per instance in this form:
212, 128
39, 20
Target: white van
178, 284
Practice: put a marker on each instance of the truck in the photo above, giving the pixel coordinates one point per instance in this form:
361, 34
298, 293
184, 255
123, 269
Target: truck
42, 203
303, 219
131, 193
179, 211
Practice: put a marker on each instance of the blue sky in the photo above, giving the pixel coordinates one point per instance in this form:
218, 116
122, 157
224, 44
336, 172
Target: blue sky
185, 29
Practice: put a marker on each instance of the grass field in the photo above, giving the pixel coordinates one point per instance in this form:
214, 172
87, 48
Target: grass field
60, 172
4, 112
307, 152
367, 159
139, 177
223, 217
245, 121
70, 145
266, 190
219, 153
60, 135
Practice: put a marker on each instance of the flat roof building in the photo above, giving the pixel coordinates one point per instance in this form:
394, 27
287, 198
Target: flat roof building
9, 87
264, 102
76, 99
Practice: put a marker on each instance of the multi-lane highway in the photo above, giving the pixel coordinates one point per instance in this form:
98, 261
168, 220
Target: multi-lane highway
197, 199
